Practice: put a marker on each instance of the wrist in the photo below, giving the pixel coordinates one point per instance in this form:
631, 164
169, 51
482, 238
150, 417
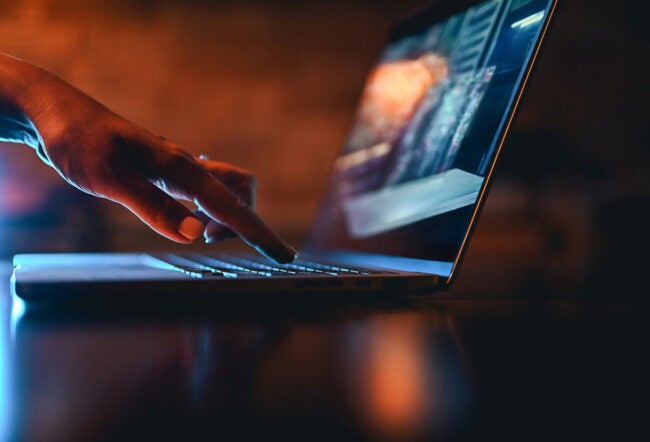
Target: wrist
19, 103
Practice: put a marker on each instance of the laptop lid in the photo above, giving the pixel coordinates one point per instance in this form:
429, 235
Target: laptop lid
415, 169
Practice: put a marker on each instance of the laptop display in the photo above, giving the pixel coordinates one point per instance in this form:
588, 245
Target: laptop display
427, 130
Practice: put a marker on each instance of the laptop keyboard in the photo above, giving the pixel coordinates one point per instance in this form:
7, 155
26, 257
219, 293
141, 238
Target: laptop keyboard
233, 266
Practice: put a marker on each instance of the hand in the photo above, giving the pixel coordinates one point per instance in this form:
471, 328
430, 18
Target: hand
107, 156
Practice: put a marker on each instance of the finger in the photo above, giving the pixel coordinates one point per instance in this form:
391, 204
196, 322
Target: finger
217, 201
214, 231
235, 214
170, 158
238, 180
241, 182
158, 210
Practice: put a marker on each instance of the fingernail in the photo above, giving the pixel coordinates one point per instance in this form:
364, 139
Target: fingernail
191, 228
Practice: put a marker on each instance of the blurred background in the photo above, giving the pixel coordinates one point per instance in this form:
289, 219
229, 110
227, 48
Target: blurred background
272, 86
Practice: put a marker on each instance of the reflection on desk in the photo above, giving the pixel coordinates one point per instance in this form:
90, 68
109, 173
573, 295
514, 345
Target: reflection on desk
373, 374
425, 369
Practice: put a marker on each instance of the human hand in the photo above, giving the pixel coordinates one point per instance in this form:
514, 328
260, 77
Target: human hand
107, 156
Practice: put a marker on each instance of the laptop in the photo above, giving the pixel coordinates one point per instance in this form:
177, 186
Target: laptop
403, 196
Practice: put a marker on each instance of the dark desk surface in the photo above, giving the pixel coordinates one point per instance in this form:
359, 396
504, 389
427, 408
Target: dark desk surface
428, 369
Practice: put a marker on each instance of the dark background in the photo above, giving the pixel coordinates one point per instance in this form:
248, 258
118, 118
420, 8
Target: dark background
272, 86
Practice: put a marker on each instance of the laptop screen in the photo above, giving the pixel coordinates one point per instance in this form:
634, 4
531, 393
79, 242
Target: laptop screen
427, 130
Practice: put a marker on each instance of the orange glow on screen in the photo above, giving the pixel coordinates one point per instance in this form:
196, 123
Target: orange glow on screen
396, 88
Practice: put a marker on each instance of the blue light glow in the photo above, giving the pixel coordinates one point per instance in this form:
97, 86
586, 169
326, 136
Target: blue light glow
17, 311
5, 399
12, 309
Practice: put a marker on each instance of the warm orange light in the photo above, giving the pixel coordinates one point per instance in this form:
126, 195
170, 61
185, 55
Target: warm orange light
397, 390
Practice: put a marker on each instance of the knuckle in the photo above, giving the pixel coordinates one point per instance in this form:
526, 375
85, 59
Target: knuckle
175, 161
242, 182
251, 181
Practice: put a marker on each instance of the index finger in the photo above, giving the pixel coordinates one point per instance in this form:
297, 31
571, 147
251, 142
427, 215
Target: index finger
218, 202
179, 169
